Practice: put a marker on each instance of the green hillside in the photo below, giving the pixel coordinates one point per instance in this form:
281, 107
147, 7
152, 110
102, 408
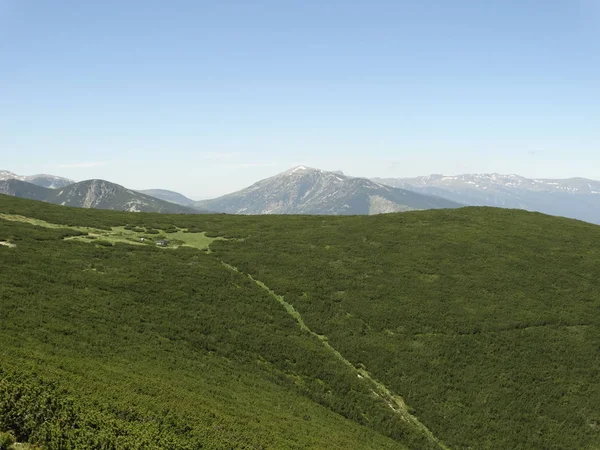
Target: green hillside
471, 328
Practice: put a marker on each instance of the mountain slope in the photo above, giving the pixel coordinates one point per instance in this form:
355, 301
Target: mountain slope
23, 189
168, 196
305, 190
44, 180
457, 328
98, 194
105, 195
576, 198
484, 320
133, 346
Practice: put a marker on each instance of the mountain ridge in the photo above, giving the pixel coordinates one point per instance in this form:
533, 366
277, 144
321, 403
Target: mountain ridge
306, 190
576, 197
40, 179
95, 193
168, 196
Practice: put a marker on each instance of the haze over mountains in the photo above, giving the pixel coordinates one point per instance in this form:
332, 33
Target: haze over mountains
300, 190
577, 198
304, 190
168, 196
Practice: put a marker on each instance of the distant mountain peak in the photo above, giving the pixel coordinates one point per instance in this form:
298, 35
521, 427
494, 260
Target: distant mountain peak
306, 190
578, 198
40, 179
169, 196
300, 170
96, 193
306, 169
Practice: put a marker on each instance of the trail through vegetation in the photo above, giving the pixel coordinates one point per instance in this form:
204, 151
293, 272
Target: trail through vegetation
395, 402
142, 347
484, 321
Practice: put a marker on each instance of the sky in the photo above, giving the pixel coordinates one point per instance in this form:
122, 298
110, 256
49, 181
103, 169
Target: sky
207, 97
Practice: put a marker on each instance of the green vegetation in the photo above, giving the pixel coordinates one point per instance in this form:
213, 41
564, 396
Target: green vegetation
484, 320
126, 234
471, 328
7, 440
144, 347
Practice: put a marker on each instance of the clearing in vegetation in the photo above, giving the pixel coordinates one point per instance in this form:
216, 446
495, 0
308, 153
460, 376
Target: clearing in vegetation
173, 238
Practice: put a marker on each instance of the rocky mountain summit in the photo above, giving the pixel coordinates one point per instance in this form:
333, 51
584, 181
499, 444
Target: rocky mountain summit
304, 190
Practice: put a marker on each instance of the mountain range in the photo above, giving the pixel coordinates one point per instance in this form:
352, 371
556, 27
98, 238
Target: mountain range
97, 194
577, 198
300, 190
44, 180
304, 190
168, 196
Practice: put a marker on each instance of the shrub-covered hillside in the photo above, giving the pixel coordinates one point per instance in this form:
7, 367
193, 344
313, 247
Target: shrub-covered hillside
486, 321
137, 346
471, 328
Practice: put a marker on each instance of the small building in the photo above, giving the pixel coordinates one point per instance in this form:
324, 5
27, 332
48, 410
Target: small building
162, 243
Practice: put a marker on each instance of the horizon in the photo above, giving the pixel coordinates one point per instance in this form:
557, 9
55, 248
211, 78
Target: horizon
195, 198
206, 99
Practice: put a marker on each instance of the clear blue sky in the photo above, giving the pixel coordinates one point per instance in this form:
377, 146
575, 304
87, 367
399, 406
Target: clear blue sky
205, 97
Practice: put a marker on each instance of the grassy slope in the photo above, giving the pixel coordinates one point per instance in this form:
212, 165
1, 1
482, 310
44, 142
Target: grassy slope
122, 234
165, 348
484, 320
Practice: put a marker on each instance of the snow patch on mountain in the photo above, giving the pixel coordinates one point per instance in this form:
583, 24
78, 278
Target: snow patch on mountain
573, 197
44, 180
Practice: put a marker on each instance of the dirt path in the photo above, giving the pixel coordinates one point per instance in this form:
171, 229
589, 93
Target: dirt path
395, 402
